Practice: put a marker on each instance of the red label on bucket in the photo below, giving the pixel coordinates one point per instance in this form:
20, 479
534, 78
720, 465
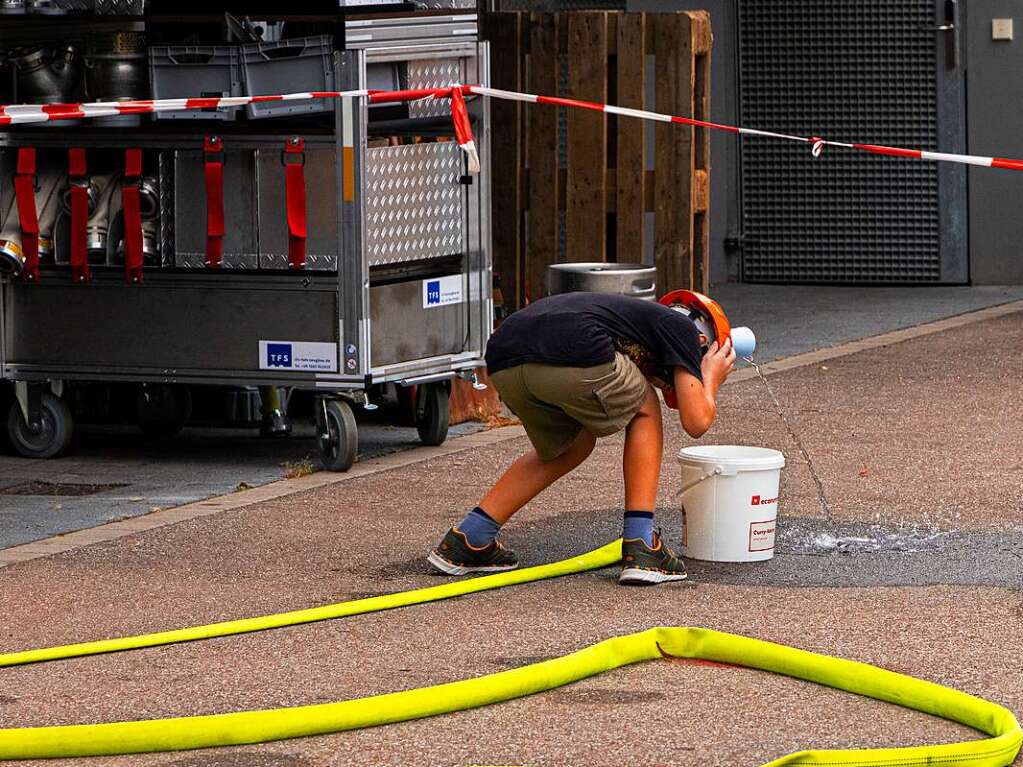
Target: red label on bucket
757, 500
761, 536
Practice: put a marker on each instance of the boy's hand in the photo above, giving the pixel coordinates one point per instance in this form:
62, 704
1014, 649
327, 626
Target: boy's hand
718, 363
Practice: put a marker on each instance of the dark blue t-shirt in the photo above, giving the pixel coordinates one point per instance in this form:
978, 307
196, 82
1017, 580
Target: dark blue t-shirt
586, 329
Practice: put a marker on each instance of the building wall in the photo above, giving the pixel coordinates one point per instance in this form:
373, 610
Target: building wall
994, 115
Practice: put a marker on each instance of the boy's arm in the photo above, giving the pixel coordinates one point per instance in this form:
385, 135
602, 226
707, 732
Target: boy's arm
697, 400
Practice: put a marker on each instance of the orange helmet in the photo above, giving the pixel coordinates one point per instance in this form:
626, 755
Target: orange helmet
709, 317
700, 307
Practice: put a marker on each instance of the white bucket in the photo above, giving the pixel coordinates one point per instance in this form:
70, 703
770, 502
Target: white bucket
729, 502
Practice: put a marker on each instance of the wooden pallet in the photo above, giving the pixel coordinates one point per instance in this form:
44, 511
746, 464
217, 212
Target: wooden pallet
603, 189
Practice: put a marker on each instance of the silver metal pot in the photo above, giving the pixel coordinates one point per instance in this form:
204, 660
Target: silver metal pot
47, 75
636, 280
116, 69
116, 77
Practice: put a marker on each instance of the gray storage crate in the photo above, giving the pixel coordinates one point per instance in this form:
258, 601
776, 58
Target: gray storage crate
290, 66
190, 71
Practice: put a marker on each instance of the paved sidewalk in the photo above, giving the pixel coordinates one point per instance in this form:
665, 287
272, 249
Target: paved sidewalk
794, 319
917, 566
144, 475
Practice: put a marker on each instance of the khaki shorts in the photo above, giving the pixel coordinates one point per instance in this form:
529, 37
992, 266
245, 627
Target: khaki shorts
555, 403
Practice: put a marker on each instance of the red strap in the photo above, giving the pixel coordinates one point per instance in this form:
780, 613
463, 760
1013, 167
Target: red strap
132, 204
213, 149
28, 216
78, 176
294, 170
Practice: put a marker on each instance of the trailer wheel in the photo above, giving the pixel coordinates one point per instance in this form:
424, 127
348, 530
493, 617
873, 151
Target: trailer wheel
54, 434
433, 413
164, 409
337, 435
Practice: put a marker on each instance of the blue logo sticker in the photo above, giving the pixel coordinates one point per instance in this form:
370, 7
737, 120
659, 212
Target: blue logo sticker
278, 355
433, 293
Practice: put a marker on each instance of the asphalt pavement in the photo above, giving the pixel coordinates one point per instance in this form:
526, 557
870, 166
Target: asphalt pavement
914, 562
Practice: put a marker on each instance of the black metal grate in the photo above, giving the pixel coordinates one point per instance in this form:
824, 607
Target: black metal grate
849, 71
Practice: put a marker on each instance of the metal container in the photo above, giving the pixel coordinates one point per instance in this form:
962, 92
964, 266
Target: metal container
12, 7
637, 280
47, 75
116, 69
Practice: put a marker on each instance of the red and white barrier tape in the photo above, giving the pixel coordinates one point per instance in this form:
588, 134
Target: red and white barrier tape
28, 113
817, 144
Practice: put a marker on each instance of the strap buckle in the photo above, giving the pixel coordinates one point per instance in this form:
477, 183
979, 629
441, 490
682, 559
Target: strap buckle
294, 152
213, 151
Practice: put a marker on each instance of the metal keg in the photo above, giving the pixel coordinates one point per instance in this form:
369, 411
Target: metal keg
637, 280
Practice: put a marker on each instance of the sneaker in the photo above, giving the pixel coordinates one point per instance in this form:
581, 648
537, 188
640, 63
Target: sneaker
456, 556
644, 566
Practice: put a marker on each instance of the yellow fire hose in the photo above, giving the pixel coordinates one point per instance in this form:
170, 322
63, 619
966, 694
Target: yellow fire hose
999, 750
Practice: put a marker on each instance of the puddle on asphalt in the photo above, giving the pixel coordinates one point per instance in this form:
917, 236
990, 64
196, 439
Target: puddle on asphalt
819, 537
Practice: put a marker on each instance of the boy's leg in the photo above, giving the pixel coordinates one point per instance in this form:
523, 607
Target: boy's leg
530, 475
525, 479
472, 545
645, 558
644, 446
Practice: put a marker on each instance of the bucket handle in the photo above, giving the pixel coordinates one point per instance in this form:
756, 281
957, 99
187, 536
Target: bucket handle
718, 471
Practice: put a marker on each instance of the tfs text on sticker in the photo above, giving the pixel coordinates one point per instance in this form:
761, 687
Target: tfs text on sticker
298, 355
443, 291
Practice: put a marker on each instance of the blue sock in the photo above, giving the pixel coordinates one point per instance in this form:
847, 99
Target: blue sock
639, 525
479, 527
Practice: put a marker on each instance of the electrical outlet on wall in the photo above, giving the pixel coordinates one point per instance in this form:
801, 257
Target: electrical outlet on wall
1001, 29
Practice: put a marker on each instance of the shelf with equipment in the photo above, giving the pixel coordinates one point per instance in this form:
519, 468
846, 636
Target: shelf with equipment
338, 252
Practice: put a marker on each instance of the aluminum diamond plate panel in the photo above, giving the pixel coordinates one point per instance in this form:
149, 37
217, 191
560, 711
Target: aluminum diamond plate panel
413, 203
860, 71
166, 176
432, 73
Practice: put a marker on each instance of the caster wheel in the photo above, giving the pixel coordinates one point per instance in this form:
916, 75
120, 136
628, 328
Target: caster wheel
164, 409
337, 435
53, 436
433, 414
